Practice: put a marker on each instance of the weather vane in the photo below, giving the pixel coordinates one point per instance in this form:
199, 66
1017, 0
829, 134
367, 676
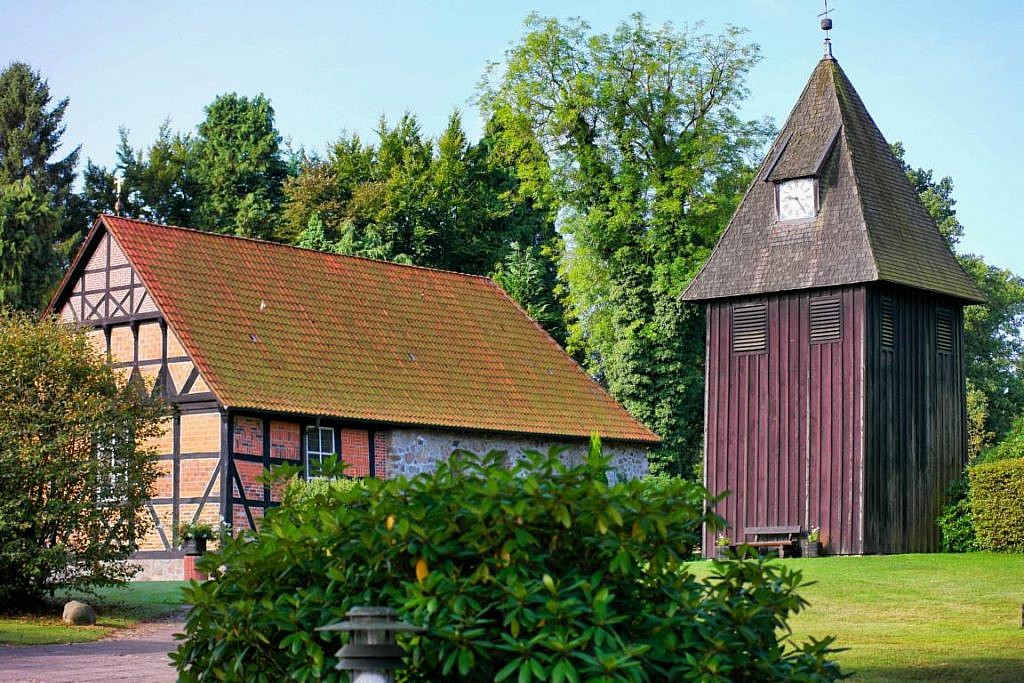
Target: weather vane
826, 26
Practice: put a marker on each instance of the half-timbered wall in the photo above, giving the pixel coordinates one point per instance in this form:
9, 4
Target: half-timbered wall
108, 290
123, 321
916, 417
252, 454
784, 418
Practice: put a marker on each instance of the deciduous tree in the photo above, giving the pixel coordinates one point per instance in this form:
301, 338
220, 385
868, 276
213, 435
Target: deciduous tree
644, 157
73, 473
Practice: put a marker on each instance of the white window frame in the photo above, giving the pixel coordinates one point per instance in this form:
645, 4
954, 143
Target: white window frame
106, 488
320, 453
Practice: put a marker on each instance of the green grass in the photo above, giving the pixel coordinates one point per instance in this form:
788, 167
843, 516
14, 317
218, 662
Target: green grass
918, 617
115, 607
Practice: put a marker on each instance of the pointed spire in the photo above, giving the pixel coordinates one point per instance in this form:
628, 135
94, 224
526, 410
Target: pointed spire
869, 225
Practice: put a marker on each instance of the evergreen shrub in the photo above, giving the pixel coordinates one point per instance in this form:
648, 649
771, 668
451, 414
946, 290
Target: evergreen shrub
1011, 447
956, 526
997, 504
521, 571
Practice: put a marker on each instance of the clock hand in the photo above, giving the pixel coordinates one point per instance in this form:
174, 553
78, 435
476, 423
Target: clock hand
800, 204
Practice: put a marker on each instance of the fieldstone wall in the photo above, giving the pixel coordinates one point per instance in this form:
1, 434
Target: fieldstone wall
412, 451
160, 570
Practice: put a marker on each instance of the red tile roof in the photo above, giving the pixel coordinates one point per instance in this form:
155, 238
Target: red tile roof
280, 328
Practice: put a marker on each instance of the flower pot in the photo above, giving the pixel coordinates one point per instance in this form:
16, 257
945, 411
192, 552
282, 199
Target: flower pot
194, 546
810, 548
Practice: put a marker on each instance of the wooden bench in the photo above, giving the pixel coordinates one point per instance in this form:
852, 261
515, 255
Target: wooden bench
778, 537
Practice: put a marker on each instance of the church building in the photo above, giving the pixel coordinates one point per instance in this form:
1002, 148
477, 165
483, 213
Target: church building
271, 354
835, 391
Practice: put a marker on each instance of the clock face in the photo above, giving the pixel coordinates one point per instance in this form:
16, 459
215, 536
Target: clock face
796, 199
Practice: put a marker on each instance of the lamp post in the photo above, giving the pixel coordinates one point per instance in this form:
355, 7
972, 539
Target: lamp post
371, 655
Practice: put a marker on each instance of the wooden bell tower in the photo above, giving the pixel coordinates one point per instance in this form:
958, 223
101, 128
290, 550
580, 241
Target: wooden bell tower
835, 372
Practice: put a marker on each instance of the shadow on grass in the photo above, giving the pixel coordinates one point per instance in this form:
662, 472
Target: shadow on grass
988, 670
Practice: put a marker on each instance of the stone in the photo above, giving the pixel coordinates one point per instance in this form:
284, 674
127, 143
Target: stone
412, 451
79, 614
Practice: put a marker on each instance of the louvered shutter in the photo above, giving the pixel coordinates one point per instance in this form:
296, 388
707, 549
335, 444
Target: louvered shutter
888, 325
826, 320
944, 330
749, 328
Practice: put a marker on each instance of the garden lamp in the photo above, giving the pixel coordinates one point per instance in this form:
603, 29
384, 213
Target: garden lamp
371, 655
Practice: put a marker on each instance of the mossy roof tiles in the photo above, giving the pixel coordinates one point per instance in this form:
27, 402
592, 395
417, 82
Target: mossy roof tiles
870, 226
284, 329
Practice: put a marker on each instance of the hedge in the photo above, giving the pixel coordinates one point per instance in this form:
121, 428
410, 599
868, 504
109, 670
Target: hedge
997, 504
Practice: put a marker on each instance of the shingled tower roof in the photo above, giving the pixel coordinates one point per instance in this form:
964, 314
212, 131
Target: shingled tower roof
870, 227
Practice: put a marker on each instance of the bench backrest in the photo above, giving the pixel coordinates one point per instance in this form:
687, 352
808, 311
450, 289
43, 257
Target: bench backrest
771, 530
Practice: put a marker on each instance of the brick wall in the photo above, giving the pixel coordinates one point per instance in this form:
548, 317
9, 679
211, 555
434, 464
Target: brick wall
200, 432
355, 452
248, 473
285, 440
151, 342
247, 435
164, 443
122, 344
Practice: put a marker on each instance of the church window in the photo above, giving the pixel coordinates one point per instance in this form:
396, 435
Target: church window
111, 470
749, 328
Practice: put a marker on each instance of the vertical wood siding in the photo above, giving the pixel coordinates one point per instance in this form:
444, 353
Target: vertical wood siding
785, 427
917, 415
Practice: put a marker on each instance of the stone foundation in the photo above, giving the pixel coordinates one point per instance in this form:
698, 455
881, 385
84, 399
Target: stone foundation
172, 569
413, 451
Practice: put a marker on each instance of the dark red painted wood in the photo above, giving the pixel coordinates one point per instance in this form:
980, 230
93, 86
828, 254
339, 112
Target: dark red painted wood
783, 426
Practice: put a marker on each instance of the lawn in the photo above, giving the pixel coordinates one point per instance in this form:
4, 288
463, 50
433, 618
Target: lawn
918, 617
116, 608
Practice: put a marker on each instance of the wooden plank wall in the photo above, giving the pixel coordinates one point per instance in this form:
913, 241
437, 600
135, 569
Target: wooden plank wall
784, 430
917, 416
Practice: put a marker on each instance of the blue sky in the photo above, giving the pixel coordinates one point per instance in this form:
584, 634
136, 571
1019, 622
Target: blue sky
942, 76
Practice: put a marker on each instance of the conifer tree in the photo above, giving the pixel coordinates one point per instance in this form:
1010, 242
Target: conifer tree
35, 187
239, 170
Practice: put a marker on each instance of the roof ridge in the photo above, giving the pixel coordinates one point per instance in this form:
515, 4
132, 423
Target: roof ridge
271, 243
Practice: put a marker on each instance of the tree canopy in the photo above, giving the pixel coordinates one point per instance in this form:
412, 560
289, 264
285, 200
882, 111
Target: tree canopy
238, 167
35, 187
645, 157
73, 475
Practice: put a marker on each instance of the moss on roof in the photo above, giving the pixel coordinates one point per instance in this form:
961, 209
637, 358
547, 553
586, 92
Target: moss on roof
279, 328
871, 225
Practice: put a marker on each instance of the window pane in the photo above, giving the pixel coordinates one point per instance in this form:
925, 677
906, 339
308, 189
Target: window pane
326, 440
312, 442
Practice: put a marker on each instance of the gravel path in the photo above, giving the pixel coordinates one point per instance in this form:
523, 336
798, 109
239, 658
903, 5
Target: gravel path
137, 654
